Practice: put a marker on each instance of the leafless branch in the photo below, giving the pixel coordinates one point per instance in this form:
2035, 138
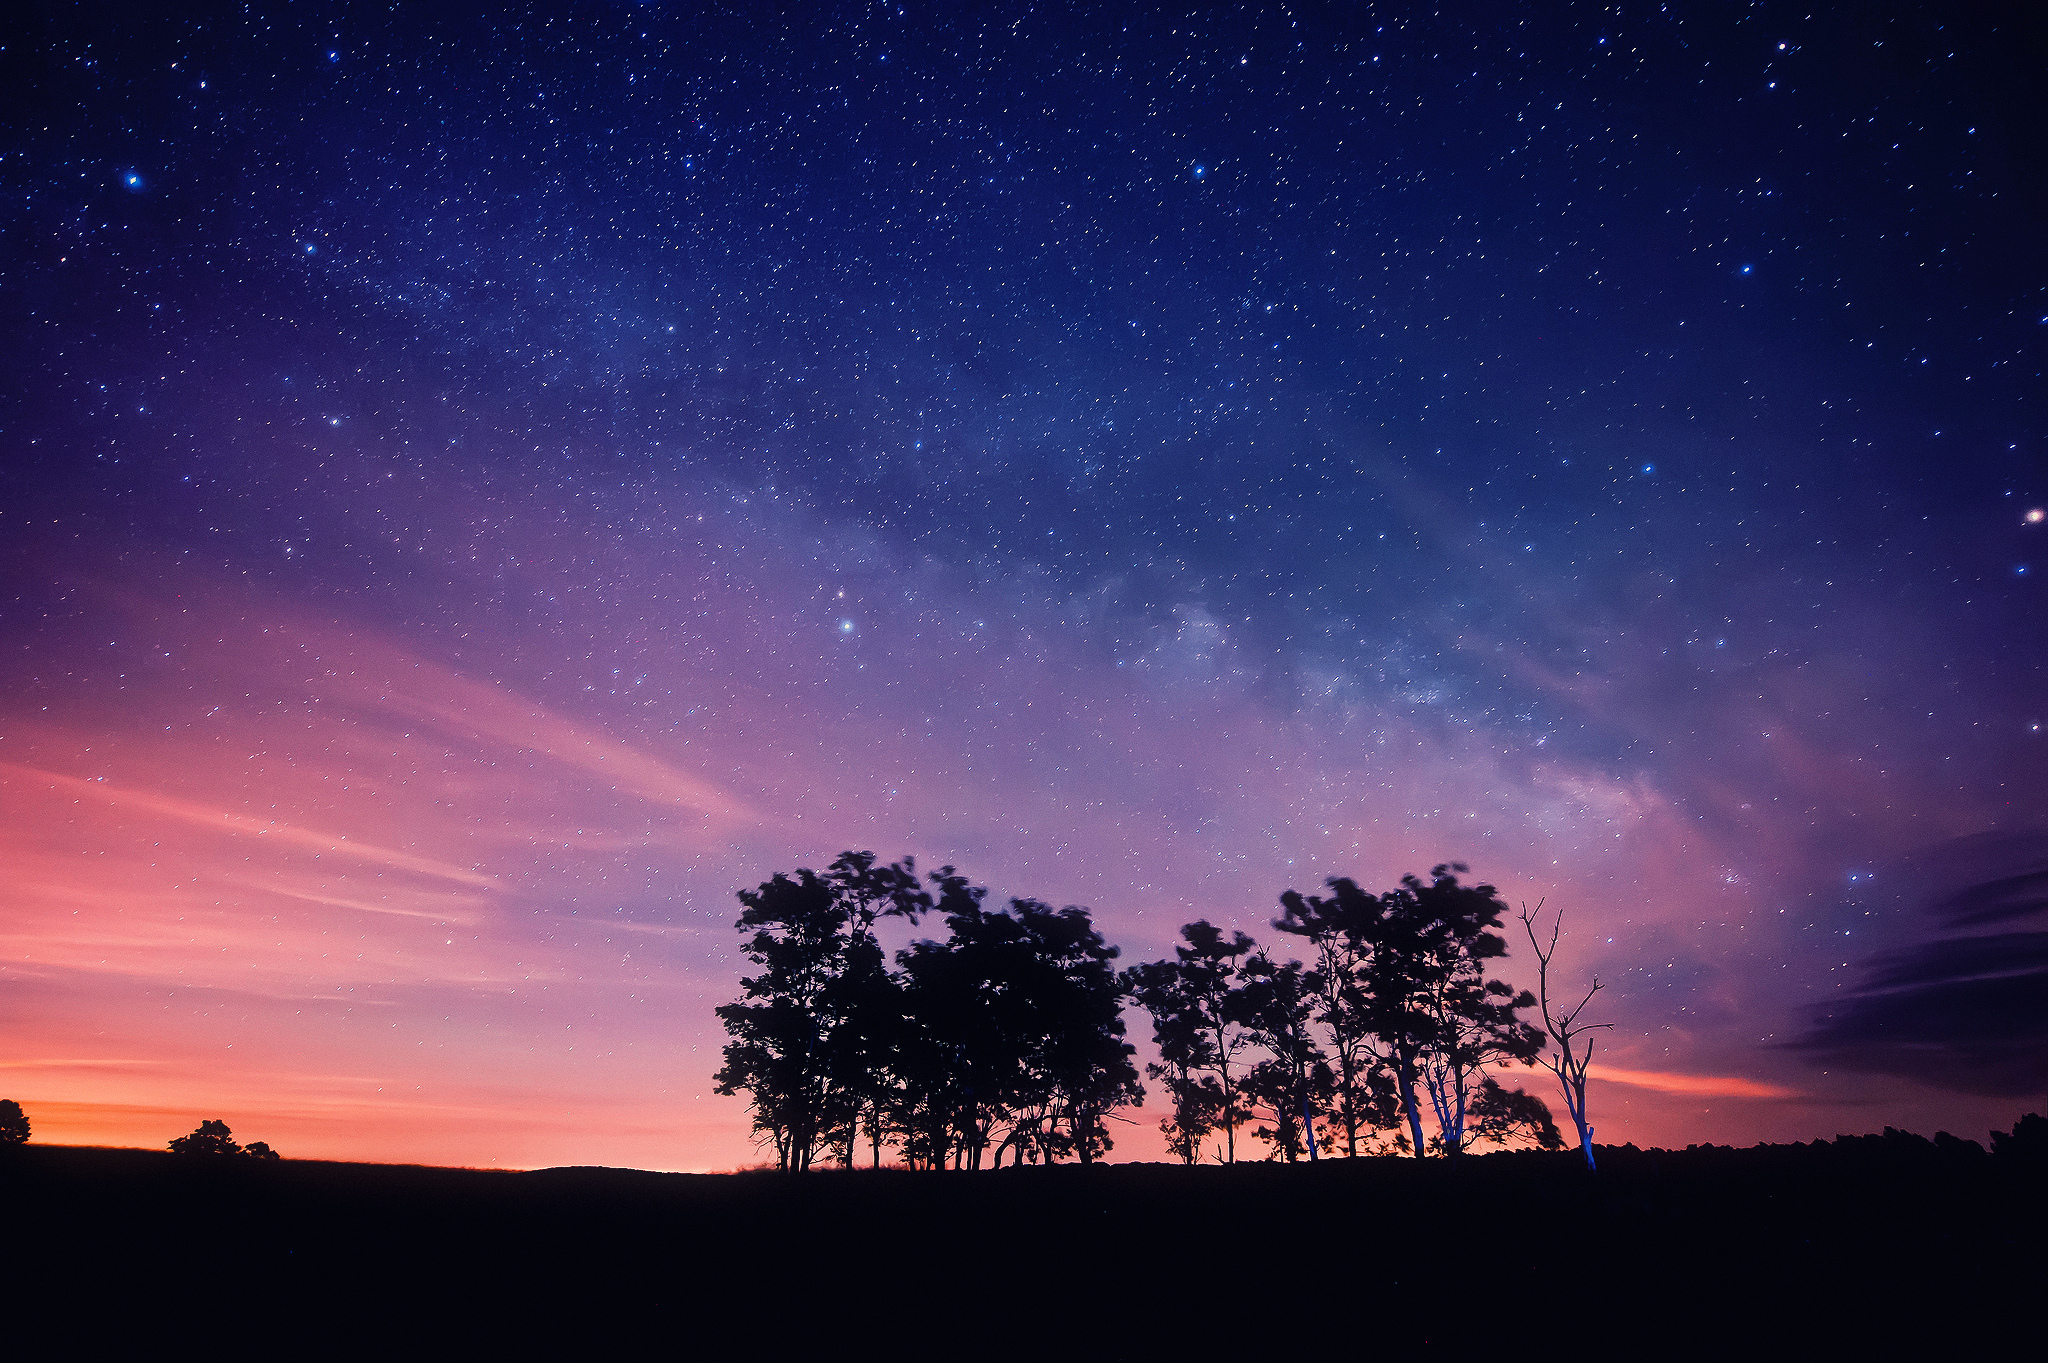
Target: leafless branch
1570, 1063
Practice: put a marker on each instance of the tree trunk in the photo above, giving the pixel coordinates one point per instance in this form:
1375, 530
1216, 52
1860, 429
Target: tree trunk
1575, 1102
1350, 1103
1454, 1139
1404, 1070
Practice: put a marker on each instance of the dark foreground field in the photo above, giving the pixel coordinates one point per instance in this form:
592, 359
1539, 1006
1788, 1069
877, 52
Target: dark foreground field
1864, 1244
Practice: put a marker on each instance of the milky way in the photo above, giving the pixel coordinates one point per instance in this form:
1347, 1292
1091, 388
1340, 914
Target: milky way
481, 488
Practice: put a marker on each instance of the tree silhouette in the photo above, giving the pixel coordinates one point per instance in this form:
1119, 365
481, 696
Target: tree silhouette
778, 1053
1399, 955
1080, 1068
1341, 928
1201, 1025
975, 1021
1018, 1039
212, 1138
1574, 1051
932, 1097
864, 1000
13, 1123
1294, 1080
807, 1033
1500, 1115
1470, 1020
1402, 993
1007, 1038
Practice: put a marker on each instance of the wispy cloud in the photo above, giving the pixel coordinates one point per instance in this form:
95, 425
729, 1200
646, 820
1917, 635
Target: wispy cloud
453, 908
1700, 1085
208, 816
1960, 1011
478, 710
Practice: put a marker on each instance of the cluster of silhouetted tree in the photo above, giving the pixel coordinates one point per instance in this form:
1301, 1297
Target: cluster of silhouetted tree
1393, 1014
1007, 1037
214, 1139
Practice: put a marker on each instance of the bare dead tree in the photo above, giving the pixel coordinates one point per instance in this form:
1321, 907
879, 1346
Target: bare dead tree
1574, 1046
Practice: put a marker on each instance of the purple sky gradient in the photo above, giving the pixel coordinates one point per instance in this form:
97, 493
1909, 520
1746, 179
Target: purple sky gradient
484, 493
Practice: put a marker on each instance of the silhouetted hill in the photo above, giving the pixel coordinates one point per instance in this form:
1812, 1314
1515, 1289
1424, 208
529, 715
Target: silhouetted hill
1867, 1240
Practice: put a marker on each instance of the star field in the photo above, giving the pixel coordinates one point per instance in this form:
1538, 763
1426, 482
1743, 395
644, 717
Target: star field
594, 457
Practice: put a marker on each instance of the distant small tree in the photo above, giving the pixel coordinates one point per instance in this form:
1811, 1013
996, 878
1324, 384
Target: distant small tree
212, 1138
1574, 1051
13, 1123
259, 1150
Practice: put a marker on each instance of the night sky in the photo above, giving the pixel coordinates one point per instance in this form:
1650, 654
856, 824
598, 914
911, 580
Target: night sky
478, 489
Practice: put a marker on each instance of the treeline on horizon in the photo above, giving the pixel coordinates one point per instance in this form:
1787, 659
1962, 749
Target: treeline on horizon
212, 1139
1006, 1039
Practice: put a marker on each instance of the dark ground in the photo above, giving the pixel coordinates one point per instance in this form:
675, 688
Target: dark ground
1867, 1243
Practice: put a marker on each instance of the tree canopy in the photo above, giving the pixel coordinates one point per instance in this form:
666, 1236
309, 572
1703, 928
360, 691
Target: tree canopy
1202, 1024
213, 1139
1396, 1019
1005, 1040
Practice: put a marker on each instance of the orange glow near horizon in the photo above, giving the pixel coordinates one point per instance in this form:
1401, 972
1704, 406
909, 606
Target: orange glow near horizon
1703, 1085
